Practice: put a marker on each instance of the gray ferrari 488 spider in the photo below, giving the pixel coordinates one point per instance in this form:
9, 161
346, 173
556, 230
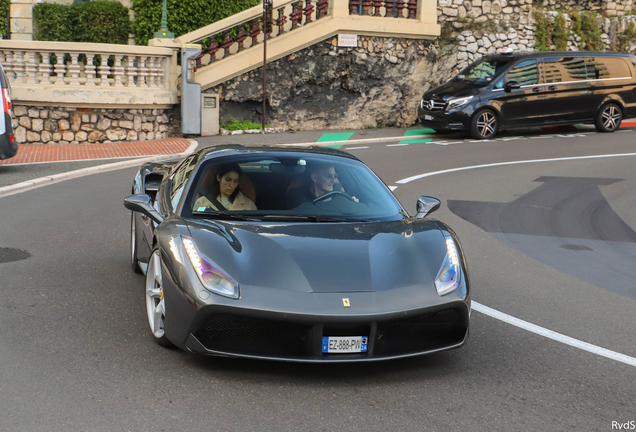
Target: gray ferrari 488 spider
293, 254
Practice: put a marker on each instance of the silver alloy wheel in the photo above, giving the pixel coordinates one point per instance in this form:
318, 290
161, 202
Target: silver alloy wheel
611, 117
155, 303
486, 124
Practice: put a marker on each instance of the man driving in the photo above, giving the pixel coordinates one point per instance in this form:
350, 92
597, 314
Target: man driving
322, 180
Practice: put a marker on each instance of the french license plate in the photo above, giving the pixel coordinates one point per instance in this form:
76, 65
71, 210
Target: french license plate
344, 344
428, 117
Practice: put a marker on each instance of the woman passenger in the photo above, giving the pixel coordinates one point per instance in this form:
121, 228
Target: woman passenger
225, 191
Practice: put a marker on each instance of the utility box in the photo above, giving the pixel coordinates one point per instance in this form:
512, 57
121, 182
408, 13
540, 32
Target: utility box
190, 91
209, 114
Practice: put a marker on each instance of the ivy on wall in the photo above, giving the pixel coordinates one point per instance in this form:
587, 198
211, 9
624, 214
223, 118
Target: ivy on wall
97, 21
584, 25
5, 5
183, 15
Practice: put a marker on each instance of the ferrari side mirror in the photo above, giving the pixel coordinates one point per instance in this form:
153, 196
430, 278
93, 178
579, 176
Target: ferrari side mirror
426, 205
143, 204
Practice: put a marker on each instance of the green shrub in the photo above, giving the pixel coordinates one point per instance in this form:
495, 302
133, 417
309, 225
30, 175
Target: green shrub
53, 22
183, 15
101, 21
4, 12
97, 21
235, 124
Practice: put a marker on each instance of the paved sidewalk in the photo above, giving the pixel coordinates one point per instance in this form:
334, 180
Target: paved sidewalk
43, 153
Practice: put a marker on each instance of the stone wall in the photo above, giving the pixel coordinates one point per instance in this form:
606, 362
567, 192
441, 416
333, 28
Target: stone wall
380, 83
42, 125
325, 86
474, 28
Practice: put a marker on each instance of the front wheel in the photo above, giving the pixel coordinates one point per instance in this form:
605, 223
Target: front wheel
609, 118
484, 125
155, 301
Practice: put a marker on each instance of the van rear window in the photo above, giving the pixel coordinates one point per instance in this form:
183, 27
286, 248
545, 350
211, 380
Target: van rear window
564, 69
606, 67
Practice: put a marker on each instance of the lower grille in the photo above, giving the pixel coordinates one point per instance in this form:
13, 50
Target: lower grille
254, 336
423, 333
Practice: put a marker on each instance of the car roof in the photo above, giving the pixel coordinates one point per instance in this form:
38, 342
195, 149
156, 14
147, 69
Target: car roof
238, 149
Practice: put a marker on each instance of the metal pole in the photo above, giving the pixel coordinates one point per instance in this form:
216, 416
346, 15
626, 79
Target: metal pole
267, 4
264, 79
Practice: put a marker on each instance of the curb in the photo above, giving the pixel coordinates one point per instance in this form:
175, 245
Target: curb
56, 178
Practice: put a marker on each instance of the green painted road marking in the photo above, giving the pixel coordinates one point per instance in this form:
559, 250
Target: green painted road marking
336, 146
335, 136
416, 141
412, 132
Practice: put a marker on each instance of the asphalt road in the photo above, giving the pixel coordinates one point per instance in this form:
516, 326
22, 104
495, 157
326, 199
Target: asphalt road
550, 243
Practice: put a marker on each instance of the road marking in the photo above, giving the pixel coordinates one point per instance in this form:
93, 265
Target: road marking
412, 132
396, 145
511, 139
515, 321
613, 355
330, 137
542, 137
355, 148
393, 188
416, 141
419, 176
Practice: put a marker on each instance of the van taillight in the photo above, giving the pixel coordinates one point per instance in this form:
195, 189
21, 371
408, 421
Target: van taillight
7, 100
12, 139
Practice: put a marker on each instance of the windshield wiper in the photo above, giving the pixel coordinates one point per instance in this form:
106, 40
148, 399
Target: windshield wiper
311, 218
220, 215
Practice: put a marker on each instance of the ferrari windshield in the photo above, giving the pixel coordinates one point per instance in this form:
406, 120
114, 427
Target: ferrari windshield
483, 71
288, 187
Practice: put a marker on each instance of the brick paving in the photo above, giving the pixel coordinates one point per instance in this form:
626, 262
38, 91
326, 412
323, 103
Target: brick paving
41, 153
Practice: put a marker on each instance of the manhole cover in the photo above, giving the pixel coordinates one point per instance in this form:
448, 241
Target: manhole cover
10, 255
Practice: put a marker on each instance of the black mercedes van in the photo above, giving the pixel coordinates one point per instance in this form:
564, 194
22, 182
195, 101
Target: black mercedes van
8, 146
526, 89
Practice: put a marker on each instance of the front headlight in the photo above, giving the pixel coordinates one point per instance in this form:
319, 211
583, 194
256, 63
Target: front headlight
455, 103
210, 275
449, 274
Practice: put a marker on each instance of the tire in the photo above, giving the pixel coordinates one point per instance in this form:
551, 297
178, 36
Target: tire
133, 244
155, 301
609, 118
484, 125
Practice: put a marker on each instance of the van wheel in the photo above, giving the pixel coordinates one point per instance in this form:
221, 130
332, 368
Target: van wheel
484, 125
609, 118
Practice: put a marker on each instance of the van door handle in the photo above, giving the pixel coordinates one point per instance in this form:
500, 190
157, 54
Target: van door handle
536, 89
552, 88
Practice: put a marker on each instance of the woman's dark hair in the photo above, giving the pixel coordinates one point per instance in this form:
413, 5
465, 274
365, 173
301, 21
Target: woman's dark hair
221, 170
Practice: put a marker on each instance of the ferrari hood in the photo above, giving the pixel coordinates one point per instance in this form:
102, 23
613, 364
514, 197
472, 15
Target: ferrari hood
324, 257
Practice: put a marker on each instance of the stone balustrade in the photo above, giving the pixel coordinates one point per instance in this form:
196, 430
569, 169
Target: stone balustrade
89, 74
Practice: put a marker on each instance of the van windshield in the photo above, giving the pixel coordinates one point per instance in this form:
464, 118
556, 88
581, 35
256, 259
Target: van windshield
483, 71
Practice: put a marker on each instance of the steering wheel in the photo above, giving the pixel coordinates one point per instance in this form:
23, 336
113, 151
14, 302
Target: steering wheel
332, 194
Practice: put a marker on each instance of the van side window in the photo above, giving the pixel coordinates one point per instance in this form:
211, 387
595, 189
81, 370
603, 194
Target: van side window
606, 67
564, 69
525, 73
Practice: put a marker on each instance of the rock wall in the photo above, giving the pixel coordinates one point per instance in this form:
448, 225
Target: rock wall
380, 82
42, 125
325, 87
